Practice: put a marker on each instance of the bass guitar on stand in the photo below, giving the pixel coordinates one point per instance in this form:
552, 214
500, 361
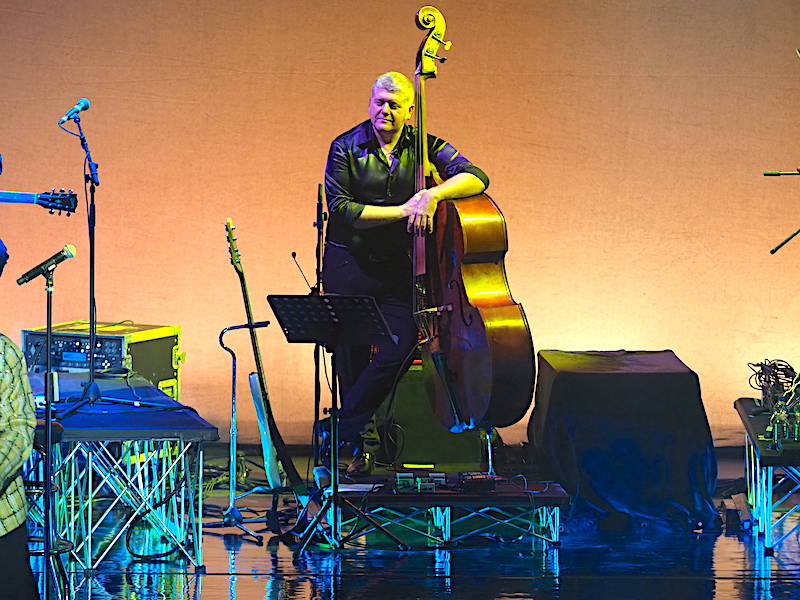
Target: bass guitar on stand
266, 419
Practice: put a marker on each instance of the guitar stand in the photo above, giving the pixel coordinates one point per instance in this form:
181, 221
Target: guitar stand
333, 321
232, 517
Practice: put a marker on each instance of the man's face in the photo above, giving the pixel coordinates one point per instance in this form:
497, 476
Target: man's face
389, 110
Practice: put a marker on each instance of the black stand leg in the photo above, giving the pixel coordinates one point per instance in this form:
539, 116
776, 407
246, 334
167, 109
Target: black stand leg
318, 350
315, 449
92, 304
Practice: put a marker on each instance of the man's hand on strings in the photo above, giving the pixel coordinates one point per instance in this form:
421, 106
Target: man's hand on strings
422, 207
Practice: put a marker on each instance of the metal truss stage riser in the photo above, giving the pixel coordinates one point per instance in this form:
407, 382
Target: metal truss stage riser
772, 502
102, 489
442, 526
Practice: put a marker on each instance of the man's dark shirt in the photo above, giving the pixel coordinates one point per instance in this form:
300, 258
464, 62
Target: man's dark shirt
358, 174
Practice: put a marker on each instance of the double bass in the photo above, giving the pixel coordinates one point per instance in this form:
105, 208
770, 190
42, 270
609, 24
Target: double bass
477, 350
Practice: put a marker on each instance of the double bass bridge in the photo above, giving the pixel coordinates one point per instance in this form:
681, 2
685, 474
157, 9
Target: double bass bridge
434, 310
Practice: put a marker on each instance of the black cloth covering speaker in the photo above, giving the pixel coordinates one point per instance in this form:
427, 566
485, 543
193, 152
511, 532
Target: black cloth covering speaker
626, 435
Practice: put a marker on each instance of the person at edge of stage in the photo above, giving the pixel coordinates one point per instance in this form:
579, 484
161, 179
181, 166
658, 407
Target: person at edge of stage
17, 424
374, 209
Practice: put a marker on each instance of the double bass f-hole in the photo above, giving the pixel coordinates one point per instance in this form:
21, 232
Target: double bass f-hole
466, 318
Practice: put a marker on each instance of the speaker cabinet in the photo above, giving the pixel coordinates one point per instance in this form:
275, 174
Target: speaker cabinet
411, 434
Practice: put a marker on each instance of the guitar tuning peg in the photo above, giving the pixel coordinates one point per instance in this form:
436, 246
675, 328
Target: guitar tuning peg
53, 190
71, 191
52, 211
63, 191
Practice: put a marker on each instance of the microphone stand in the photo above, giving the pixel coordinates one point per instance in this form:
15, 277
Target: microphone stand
318, 350
49, 393
778, 174
91, 391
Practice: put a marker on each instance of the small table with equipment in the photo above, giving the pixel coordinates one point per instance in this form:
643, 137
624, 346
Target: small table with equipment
772, 501
133, 448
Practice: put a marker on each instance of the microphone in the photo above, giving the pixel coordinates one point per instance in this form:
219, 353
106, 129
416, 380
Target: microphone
47, 266
299, 268
82, 104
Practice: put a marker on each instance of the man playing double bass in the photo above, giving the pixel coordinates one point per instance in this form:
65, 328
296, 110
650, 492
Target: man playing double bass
374, 208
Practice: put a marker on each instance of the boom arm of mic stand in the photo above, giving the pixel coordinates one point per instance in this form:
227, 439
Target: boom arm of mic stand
778, 174
784, 242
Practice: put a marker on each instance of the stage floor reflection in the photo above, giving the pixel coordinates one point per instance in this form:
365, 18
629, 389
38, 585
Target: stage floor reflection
643, 564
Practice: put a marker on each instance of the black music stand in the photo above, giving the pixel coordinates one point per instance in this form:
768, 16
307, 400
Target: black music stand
333, 321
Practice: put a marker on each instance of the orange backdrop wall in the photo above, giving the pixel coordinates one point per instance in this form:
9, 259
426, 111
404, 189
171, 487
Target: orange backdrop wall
624, 140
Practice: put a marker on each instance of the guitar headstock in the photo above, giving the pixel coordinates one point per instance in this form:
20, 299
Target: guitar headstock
429, 17
233, 249
62, 201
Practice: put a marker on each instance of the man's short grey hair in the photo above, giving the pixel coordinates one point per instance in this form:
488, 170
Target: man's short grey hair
395, 82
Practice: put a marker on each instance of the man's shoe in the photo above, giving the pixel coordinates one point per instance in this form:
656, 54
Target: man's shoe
362, 464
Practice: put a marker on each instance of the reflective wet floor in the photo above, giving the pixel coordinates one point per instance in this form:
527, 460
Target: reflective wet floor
642, 564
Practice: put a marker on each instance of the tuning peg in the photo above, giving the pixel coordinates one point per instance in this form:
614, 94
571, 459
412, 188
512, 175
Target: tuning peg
438, 37
434, 56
